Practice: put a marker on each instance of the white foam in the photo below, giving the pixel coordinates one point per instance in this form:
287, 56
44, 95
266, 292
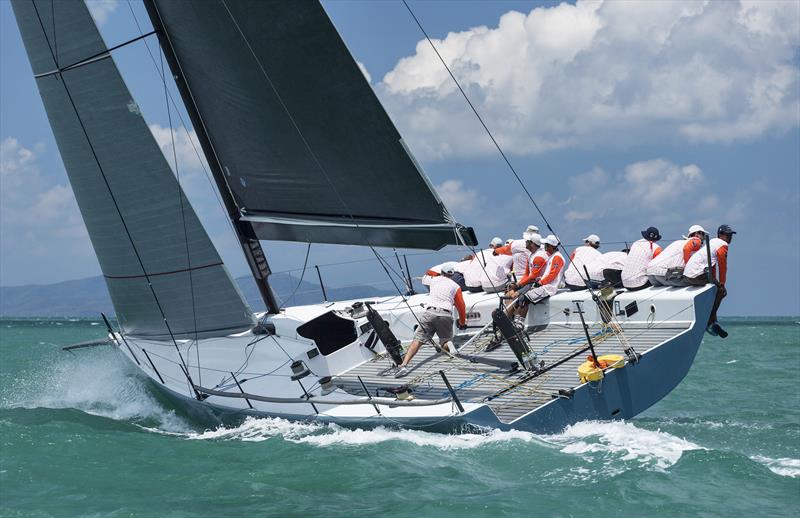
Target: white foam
98, 383
342, 436
616, 441
260, 429
785, 466
732, 361
327, 435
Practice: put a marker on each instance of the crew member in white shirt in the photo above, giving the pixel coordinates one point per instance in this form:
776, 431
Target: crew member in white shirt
666, 269
582, 256
438, 316
520, 250
494, 278
474, 272
696, 272
634, 273
547, 285
607, 269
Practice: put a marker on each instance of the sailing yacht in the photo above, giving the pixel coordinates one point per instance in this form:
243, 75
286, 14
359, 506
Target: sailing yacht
301, 150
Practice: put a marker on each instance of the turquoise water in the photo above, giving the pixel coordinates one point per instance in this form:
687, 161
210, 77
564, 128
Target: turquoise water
83, 435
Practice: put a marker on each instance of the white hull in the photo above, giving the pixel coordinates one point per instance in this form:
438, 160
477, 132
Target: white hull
664, 327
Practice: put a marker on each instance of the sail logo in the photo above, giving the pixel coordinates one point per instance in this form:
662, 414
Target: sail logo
134, 108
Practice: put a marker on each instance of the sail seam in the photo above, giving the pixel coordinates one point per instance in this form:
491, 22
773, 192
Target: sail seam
91, 59
182, 270
71, 67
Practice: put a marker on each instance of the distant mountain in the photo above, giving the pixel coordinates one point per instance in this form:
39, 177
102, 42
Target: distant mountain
89, 297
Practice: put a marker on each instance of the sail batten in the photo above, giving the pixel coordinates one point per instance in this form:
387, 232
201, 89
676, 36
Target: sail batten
147, 238
294, 126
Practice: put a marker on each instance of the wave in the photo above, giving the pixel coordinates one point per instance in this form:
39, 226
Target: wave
327, 435
602, 447
97, 383
785, 466
616, 443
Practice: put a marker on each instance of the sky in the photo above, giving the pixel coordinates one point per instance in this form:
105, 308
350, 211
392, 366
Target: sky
616, 115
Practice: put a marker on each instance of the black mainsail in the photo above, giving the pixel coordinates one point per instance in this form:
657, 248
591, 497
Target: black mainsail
163, 273
293, 131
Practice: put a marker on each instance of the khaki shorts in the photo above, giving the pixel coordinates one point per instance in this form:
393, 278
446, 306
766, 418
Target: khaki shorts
435, 321
537, 294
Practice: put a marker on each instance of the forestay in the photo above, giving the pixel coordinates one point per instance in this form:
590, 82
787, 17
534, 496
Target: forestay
296, 132
142, 227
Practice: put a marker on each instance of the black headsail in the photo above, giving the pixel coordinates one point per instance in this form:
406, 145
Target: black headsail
163, 273
296, 136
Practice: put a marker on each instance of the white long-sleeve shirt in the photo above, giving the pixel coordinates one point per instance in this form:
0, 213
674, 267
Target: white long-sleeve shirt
634, 273
474, 272
583, 255
607, 261
497, 269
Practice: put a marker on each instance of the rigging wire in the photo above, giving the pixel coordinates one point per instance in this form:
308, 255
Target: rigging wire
503, 155
114, 201
183, 121
181, 198
303, 274
489, 133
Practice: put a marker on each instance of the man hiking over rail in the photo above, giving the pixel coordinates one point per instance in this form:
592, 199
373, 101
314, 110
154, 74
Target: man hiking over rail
696, 273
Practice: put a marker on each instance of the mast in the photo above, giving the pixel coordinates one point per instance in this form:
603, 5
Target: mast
245, 233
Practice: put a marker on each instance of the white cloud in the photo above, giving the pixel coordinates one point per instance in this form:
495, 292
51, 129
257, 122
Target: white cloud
101, 9
37, 217
364, 71
190, 156
604, 73
656, 188
653, 192
459, 200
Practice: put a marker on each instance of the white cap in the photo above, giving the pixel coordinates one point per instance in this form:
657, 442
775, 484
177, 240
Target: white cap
496, 241
532, 228
592, 238
697, 228
449, 268
550, 240
533, 237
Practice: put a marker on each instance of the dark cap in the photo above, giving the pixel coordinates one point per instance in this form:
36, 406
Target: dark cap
651, 234
725, 229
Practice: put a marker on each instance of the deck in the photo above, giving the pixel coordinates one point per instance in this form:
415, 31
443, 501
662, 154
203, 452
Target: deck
510, 395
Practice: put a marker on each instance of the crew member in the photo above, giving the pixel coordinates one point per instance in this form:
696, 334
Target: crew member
582, 256
494, 278
608, 268
667, 268
547, 284
438, 316
535, 267
634, 273
696, 272
474, 272
519, 249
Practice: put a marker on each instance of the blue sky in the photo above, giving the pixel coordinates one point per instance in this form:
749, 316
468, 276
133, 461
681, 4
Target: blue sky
617, 115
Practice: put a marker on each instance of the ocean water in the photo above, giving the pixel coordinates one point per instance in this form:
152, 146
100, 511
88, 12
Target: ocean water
81, 434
